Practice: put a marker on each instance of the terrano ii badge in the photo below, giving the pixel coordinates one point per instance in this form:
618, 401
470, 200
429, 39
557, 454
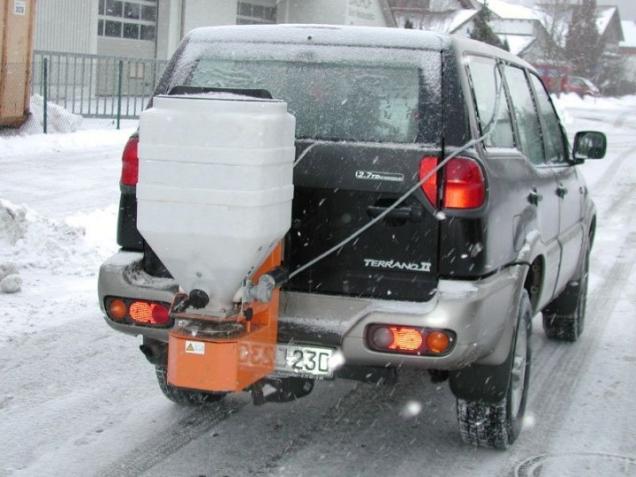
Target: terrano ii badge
395, 265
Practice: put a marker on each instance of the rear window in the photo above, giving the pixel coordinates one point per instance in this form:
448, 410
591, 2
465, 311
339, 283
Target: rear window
336, 93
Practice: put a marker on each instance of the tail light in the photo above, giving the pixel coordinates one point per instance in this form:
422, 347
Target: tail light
130, 162
463, 187
464, 184
140, 312
427, 166
409, 340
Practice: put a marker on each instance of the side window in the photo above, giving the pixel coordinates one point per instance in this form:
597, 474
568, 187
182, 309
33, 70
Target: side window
526, 114
485, 79
553, 137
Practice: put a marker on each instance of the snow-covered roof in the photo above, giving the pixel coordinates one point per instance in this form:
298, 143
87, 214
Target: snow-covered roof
629, 32
563, 19
604, 17
510, 11
517, 43
443, 22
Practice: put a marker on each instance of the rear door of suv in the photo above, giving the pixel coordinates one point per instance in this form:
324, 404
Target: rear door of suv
368, 123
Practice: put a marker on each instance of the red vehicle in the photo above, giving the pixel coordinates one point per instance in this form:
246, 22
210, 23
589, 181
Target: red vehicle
581, 86
554, 77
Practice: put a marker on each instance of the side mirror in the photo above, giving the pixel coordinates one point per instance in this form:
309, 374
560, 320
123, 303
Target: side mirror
589, 145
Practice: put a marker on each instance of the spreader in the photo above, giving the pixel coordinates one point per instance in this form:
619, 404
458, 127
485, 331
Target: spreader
214, 202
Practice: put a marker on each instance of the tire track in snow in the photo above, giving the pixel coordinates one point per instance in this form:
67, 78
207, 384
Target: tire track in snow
162, 446
353, 399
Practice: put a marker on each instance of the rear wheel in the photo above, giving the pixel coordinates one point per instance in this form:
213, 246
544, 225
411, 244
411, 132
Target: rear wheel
184, 397
498, 424
564, 318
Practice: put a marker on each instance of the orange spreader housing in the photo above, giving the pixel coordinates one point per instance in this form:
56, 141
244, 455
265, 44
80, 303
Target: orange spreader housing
229, 364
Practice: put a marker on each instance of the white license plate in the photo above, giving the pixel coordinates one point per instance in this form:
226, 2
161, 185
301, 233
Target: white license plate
304, 360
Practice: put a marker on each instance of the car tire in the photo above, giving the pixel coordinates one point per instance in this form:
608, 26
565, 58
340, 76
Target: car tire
564, 318
184, 397
497, 425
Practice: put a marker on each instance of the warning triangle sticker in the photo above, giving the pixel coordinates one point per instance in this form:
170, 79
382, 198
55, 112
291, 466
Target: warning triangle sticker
189, 347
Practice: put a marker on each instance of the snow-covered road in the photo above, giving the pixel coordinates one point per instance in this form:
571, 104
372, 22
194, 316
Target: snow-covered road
79, 399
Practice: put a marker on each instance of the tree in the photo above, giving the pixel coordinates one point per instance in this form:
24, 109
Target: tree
555, 19
584, 46
482, 30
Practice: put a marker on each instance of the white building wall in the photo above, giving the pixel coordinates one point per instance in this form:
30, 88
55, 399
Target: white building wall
325, 12
66, 26
364, 12
331, 12
200, 13
513, 27
168, 28
123, 47
466, 29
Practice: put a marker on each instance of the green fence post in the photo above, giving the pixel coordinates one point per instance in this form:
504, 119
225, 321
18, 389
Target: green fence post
45, 80
119, 81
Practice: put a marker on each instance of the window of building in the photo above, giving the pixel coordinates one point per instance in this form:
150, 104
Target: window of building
132, 19
252, 13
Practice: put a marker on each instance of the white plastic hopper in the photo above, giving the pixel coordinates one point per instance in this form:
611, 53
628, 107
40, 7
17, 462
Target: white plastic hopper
215, 187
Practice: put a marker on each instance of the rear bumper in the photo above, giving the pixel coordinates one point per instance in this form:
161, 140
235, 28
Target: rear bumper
482, 314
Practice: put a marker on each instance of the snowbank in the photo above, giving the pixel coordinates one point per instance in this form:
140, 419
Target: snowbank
572, 100
59, 120
80, 140
29, 242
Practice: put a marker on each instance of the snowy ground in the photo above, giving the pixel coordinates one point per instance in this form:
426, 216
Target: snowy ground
79, 399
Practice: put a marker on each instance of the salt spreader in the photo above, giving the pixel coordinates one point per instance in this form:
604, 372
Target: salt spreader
214, 203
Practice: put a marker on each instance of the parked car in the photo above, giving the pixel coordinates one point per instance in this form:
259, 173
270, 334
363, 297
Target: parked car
450, 280
581, 86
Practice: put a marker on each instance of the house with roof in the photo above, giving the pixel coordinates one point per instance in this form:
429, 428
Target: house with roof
455, 17
521, 28
517, 26
627, 49
557, 18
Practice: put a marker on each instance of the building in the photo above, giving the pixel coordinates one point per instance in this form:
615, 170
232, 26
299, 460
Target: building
455, 17
152, 29
628, 50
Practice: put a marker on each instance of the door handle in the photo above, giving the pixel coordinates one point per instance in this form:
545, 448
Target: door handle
534, 197
403, 213
562, 191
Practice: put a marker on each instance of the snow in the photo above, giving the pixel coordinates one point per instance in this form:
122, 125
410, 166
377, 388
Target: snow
79, 399
604, 16
560, 22
443, 22
11, 283
510, 11
59, 120
517, 43
629, 32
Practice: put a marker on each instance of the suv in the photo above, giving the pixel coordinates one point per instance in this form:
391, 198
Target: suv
449, 280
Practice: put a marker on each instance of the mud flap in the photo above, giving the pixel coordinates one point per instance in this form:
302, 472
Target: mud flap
482, 383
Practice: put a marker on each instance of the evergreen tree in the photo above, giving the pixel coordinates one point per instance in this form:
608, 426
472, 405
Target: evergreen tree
583, 46
482, 30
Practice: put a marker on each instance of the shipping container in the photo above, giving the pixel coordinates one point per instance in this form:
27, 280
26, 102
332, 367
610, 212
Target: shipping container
16, 45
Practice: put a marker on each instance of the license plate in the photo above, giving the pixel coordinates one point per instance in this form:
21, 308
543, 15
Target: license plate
304, 360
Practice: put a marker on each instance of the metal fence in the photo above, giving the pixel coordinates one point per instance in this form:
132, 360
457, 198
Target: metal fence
96, 86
